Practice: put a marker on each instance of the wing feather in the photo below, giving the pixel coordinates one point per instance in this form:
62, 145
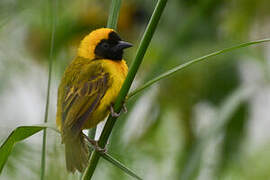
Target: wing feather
82, 98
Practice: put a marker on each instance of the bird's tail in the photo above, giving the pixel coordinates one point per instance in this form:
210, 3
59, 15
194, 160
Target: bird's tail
77, 153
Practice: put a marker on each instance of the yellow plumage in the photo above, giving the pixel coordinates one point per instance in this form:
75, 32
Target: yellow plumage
87, 90
89, 42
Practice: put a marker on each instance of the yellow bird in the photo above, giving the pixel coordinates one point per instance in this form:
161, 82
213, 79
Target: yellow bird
87, 91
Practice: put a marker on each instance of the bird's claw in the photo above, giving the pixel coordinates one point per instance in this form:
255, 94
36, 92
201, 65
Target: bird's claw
101, 150
115, 114
124, 108
95, 145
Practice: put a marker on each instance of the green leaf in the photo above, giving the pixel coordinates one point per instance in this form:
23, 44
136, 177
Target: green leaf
191, 62
23, 132
114, 13
17, 135
53, 5
119, 165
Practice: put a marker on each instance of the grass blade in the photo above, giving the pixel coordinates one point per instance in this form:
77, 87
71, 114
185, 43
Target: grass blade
120, 165
23, 132
114, 14
191, 62
43, 155
17, 135
115, 162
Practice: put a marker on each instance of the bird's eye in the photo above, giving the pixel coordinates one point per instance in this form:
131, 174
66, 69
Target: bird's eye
105, 45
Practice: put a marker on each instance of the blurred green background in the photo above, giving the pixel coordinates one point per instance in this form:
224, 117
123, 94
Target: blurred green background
165, 134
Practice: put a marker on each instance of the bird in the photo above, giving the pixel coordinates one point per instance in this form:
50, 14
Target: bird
87, 91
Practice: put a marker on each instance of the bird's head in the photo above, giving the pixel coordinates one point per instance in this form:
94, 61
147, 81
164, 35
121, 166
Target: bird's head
103, 43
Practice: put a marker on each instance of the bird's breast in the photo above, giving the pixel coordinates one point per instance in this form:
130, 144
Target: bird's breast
117, 71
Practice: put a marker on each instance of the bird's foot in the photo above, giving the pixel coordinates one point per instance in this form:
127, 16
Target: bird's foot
95, 145
115, 114
124, 108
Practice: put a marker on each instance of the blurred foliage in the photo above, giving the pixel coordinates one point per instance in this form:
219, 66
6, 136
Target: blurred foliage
157, 135
234, 134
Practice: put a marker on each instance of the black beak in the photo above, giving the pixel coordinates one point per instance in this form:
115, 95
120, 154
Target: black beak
122, 45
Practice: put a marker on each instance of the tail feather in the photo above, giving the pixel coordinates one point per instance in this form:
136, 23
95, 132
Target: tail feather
77, 153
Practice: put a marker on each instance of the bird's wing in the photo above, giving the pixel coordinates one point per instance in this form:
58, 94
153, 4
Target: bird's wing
82, 97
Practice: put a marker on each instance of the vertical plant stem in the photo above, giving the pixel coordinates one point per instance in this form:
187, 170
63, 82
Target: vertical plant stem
114, 14
126, 86
43, 156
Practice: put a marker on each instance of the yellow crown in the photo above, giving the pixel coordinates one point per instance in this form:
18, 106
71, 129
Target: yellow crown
89, 42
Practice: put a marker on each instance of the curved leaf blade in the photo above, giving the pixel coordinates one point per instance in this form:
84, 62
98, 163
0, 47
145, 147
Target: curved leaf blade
191, 62
120, 165
17, 135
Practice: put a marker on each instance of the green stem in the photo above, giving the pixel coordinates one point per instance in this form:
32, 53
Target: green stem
189, 63
126, 86
120, 165
43, 156
114, 14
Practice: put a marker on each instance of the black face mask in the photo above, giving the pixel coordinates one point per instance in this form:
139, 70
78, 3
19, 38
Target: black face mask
111, 48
